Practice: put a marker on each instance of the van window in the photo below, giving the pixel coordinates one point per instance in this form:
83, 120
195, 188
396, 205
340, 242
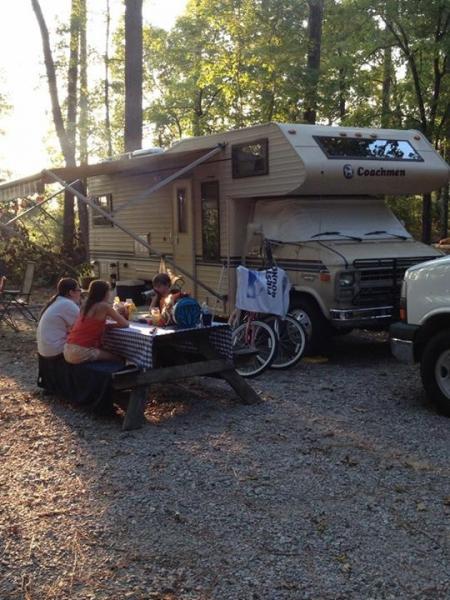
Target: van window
367, 149
105, 203
182, 210
210, 220
250, 159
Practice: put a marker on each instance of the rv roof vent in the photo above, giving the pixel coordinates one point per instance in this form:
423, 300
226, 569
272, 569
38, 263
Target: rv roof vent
146, 151
357, 134
373, 135
417, 137
292, 131
342, 134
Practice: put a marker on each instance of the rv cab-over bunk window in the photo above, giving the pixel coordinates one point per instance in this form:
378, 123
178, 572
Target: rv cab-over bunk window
367, 149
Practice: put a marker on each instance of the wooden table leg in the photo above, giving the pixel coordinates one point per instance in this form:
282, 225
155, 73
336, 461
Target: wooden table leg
134, 417
245, 391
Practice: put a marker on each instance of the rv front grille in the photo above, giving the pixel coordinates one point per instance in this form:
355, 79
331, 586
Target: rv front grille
379, 280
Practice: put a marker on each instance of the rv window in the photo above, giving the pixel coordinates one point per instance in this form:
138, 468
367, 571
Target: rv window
367, 149
250, 159
210, 220
105, 203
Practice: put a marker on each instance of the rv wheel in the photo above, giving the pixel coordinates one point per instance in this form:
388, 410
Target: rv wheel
435, 370
316, 326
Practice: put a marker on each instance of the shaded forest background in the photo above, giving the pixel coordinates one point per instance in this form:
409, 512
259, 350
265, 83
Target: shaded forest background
228, 64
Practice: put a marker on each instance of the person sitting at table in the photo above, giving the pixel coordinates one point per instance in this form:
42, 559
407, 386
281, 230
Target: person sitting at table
57, 318
165, 297
85, 338
55, 321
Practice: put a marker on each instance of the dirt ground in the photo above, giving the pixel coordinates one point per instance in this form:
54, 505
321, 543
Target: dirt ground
336, 486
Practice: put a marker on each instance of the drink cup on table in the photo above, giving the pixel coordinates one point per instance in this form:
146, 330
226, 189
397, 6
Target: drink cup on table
155, 315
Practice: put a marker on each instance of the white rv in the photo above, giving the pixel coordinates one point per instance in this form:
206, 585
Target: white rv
315, 192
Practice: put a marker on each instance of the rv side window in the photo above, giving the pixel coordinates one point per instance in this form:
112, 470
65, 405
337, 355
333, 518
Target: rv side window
105, 203
210, 220
250, 159
182, 210
367, 149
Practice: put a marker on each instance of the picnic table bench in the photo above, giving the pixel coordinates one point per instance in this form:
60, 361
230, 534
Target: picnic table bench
170, 356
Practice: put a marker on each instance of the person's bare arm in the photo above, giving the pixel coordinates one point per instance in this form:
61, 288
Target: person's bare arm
154, 302
119, 321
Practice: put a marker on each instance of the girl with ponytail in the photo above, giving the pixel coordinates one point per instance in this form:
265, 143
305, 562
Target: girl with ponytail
57, 318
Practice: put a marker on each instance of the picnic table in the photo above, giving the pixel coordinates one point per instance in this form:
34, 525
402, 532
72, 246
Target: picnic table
167, 354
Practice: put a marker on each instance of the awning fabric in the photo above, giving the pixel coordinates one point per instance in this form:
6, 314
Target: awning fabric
33, 184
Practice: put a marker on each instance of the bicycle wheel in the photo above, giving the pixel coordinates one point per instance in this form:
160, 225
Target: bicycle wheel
291, 341
254, 348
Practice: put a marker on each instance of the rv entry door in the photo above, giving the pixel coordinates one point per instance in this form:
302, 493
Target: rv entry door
183, 227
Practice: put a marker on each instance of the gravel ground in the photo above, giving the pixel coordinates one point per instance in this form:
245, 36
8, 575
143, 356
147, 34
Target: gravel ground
335, 487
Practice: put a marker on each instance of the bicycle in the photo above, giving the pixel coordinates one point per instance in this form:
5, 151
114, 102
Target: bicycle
255, 344
255, 348
291, 338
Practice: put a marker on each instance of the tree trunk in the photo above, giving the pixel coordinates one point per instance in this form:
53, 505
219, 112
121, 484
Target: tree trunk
133, 75
386, 90
66, 141
52, 86
444, 211
313, 61
83, 125
107, 84
71, 125
426, 219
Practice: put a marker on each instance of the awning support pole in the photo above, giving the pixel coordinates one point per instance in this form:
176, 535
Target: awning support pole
160, 184
135, 237
37, 205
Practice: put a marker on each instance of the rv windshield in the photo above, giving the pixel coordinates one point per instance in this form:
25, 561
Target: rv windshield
367, 149
307, 219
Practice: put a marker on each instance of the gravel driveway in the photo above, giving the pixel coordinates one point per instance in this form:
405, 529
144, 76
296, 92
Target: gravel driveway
335, 487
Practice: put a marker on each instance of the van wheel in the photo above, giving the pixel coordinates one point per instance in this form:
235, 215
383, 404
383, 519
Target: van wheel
317, 328
435, 370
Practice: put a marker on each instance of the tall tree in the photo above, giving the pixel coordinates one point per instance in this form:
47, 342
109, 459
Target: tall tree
421, 31
313, 61
133, 75
107, 84
83, 126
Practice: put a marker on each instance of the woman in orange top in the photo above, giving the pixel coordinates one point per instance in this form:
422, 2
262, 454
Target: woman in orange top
84, 340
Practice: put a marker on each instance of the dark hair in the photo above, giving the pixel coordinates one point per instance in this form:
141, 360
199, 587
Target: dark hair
96, 293
65, 285
161, 279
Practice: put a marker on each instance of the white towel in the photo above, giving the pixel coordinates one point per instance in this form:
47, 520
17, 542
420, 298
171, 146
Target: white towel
263, 291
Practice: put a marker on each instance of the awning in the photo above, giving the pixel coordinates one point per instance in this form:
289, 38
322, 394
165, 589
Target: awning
136, 165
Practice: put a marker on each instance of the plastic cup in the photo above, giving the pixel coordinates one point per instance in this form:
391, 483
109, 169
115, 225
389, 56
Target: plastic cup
155, 314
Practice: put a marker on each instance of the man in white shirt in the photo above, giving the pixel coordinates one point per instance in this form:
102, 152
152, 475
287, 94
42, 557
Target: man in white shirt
58, 317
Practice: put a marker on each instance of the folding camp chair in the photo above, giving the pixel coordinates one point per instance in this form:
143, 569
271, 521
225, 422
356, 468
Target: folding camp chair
19, 299
5, 311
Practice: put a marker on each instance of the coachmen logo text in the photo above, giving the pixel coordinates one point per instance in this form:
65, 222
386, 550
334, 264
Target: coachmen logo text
348, 172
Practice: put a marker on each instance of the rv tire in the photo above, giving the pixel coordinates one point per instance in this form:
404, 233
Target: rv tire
317, 328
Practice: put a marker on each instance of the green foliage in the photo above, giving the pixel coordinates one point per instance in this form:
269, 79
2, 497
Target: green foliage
38, 238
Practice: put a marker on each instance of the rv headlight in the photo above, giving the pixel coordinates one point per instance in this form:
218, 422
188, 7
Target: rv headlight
346, 279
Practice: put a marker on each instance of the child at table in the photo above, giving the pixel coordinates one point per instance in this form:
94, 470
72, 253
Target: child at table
165, 297
85, 338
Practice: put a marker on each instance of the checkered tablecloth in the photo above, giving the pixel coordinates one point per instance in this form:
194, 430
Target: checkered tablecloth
135, 343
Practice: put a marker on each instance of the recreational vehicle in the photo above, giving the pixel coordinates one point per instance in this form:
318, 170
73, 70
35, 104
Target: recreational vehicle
313, 193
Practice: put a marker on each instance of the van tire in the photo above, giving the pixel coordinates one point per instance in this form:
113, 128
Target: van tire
435, 370
317, 328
